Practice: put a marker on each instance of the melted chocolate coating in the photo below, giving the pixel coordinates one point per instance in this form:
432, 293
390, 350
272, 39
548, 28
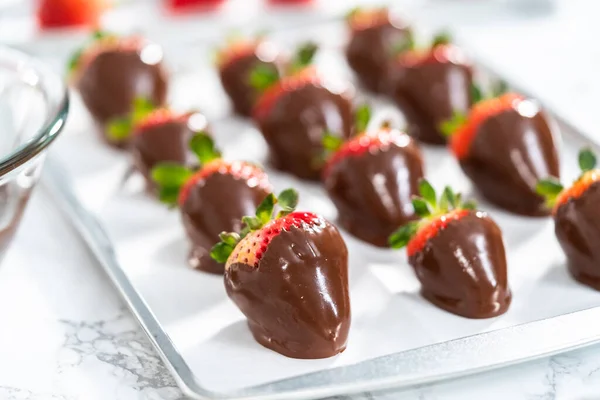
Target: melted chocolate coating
114, 79
168, 142
509, 155
430, 94
370, 51
215, 205
372, 192
297, 300
295, 125
235, 78
463, 268
577, 227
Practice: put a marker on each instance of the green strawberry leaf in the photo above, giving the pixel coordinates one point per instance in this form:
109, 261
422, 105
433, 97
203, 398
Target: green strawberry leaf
549, 189
253, 223
169, 195
469, 205
441, 38
407, 43
263, 76
304, 56
353, 12
448, 200
587, 159
231, 238
264, 211
170, 175
476, 93
288, 200
402, 236
362, 116
141, 108
203, 146
421, 207
449, 127
221, 252
119, 129
331, 143
499, 88
428, 192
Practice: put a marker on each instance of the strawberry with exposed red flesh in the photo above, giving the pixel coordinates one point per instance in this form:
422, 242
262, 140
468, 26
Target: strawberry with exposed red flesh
375, 34
112, 72
457, 254
294, 113
211, 199
70, 13
370, 179
289, 276
429, 85
577, 219
505, 145
237, 63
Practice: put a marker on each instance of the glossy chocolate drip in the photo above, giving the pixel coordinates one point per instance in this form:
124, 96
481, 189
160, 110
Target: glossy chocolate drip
463, 268
372, 191
370, 51
297, 299
509, 155
577, 227
216, 204
114, 79
294, 128
430, 94
165, 142
235, 78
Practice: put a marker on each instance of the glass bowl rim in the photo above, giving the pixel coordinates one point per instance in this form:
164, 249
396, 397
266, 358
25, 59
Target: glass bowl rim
58, 108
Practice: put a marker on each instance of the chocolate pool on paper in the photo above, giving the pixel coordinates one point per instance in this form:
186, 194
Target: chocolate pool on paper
463, 268
297, 299
511, 152
217, 204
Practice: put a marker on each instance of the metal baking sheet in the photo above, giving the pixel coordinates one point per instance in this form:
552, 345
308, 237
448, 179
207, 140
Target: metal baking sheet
397, 339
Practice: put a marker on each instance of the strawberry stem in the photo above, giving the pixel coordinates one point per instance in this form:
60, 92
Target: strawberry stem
287, 200
428, 207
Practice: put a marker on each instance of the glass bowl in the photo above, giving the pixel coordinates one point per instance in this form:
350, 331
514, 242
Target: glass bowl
34, 104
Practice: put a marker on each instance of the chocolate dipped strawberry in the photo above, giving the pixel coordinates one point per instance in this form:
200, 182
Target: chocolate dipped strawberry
111, 72
212, 199
243, 64
158, 135
505, 145
295, 111
430, 85
457, 254
577, 220
371, 179
289, 276
375, 36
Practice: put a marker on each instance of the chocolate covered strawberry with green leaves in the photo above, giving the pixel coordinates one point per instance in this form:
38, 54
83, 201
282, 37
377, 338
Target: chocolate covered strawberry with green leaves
237, 63
294, 112
288, 274
457, 254
577, 219
371, 179
110, 72
430, 84
375, 35
506, 144
211, 199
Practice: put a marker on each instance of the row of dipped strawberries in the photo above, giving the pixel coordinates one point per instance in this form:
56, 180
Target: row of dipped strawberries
287, 270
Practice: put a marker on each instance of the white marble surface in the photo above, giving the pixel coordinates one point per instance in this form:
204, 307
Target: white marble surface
65, 334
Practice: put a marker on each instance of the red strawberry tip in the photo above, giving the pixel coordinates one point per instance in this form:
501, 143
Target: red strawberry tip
435, 215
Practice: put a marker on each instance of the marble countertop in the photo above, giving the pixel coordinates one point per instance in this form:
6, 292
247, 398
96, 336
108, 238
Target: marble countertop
66, 335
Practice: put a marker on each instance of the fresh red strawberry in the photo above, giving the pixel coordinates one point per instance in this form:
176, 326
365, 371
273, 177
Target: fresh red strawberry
112, 75
212, 199
289, 276
576, 219
179, 5
374, 37
505, 145
243, 65
458, 255
69, 13
429, 85
370, 179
